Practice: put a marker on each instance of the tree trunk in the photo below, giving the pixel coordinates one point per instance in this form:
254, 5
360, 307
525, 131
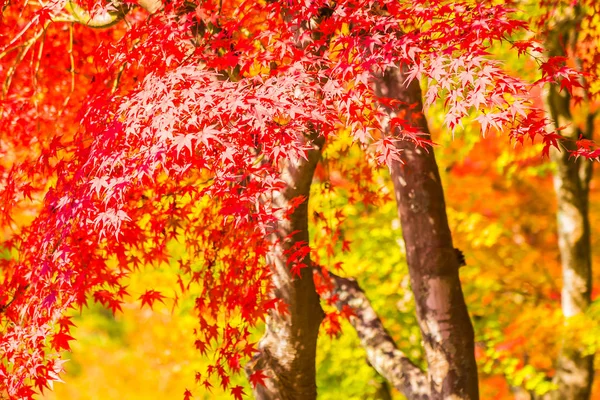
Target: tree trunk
432, 262
287, 351
574, 370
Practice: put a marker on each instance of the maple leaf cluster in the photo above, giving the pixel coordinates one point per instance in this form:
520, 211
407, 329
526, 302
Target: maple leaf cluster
176, 125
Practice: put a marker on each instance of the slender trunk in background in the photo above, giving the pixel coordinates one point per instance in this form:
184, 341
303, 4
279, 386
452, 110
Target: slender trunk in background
287, 351
574, 369
433, 266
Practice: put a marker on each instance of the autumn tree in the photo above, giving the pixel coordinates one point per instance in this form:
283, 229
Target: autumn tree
202, 123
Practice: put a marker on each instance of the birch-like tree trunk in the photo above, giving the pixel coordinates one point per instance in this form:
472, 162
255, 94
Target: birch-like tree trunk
574, 369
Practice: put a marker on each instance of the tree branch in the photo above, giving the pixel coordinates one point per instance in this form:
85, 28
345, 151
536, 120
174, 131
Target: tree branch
382, 352
114, 13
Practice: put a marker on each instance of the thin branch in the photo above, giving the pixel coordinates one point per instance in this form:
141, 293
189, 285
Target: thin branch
38, 60
115, 84
7, 48
382, 352
23, 49
72, 70
11, 71
104, 19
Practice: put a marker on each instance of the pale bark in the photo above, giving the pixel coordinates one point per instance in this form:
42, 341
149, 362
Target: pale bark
432, 262
574, 369
287, 350
109, 17
382, 352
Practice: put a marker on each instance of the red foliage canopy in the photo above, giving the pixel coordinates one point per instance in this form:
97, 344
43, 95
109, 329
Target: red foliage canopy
175, 124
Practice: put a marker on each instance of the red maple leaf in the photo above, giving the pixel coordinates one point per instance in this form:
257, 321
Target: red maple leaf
237, 392
257, 378
60, 341
150, 296
201, 346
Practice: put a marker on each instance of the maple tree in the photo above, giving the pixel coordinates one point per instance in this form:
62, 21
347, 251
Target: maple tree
203, 123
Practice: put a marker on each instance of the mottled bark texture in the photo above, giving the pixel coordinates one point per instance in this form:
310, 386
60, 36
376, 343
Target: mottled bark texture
382, 352
433, 266
574, 369
287, 351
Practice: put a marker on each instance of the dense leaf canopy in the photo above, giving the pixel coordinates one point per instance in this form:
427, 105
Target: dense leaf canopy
173, 124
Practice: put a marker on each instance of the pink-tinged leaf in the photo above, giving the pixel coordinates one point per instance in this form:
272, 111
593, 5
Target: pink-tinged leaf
98, 184
362, 135
415, 72
387, 152
491, 120
228, 154
431, 96
183, 141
